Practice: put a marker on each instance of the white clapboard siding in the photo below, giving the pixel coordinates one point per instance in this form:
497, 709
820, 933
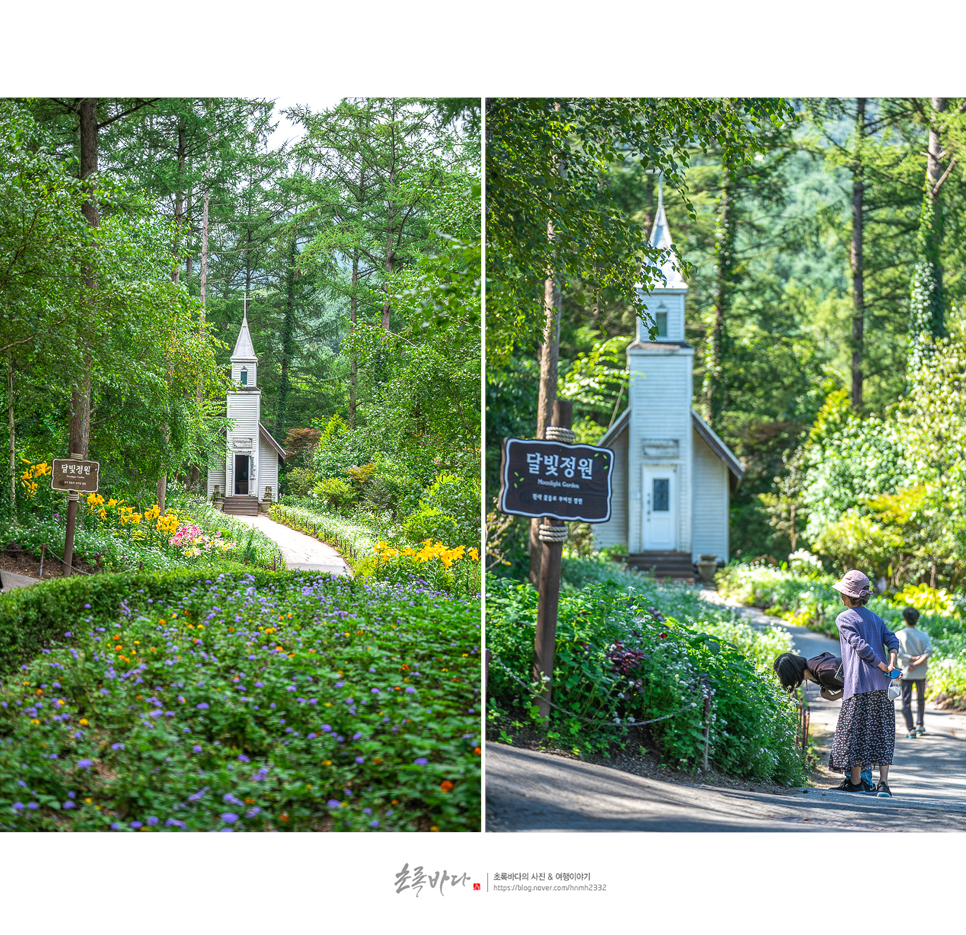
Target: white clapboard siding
243, 408
671, 303
216, 476
614, 531
661, 409
710, 502
250, 365
268, 469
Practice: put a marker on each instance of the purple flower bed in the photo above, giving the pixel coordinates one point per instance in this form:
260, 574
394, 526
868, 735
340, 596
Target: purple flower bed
323, 704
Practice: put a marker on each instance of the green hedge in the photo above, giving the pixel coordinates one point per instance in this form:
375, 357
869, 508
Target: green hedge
31, 617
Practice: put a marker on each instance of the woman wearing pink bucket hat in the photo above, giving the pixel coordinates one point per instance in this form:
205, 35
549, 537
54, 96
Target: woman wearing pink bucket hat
866, 730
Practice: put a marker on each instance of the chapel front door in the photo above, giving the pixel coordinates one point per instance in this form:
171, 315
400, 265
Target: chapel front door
242, 463
660, 513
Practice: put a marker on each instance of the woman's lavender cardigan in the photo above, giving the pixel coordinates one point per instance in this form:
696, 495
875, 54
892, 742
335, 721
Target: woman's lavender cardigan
863, 635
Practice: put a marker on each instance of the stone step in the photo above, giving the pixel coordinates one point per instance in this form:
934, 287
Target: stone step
665, 564
241, 506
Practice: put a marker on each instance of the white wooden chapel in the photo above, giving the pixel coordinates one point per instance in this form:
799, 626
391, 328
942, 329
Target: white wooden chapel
251, 466
673, 475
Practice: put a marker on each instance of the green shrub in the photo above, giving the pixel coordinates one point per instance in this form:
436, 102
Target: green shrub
31, 617
449, 511
856, 541
429, 522
300, 481
339, 449
338, 493
621, 656
391, 490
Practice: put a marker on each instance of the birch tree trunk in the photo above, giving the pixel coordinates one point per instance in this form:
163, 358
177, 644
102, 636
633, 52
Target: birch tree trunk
203, 295
353, 304
288, 338
855, 257
80, 397
11, 425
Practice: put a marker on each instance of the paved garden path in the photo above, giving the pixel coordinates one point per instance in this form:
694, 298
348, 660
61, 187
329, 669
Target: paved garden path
12, 580
531, 791
298, 550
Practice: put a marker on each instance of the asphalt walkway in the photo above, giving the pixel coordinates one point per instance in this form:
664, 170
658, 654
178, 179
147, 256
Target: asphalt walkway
531, 791
11, 580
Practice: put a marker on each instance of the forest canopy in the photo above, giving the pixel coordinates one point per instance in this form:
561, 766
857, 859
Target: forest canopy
134, 231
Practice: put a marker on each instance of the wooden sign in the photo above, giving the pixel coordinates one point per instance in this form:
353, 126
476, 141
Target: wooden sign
567, 482
69, 474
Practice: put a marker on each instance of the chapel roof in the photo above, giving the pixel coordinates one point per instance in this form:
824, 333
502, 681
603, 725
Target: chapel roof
243, 346
661, 238
698, 425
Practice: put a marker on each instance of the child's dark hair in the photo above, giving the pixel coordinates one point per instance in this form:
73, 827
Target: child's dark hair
911, 616
790, 670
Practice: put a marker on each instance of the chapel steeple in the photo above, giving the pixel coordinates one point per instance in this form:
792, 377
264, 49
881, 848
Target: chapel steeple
661, 238
665, 302
244, 362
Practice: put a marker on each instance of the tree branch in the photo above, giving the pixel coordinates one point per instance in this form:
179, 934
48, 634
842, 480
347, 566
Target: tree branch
944, 176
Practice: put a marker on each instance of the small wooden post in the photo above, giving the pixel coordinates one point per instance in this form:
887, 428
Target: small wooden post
72, 499
545, 643
707, 719
43, 552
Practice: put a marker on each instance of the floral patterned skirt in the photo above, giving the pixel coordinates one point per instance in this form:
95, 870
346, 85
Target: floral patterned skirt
865, 733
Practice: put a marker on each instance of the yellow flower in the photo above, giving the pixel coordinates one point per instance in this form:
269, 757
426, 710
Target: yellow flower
83, 721
474, 555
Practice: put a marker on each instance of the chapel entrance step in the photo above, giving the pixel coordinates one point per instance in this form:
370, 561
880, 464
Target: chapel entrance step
665, 564
241, 506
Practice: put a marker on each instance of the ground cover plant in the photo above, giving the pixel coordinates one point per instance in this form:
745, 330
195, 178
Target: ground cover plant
630, 651
245, 701
803, 595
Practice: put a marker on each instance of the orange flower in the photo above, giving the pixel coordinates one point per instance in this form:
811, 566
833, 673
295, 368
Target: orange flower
446, 786
477, 751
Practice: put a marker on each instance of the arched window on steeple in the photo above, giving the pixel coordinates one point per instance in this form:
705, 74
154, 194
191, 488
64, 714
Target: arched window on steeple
244, 376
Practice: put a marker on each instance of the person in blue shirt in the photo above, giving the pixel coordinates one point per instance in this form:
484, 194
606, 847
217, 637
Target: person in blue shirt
865, 734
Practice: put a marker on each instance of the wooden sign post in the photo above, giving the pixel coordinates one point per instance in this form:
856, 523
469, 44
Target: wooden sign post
76, 476
555, 480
